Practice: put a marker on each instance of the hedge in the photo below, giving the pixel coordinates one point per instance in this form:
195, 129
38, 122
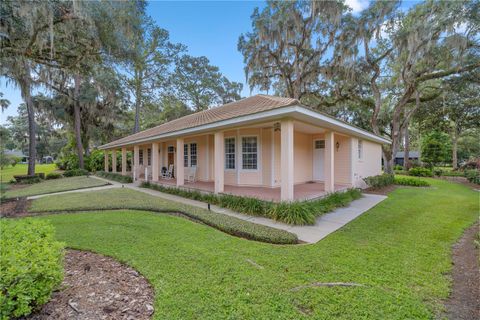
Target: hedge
76, 173
30, 266
114, 176
295, 213
413, 182
379, 181
53, 175
420, 172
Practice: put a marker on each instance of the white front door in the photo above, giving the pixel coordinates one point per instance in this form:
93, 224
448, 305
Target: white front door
318, 159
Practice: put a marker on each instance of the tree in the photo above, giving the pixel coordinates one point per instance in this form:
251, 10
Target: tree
290, 44
200, 85
435, 148
148, 63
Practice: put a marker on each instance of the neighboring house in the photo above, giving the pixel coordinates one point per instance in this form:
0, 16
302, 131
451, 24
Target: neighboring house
412, 156
263, 146
17, 154
47, 159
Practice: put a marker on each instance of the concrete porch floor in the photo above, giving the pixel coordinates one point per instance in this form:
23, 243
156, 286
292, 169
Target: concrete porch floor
304, 191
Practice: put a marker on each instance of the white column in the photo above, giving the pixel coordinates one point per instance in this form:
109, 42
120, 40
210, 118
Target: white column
155, 164
219, 161
179, 170
114, 160
329, 168
136, 160
124, 161
286, 161
105, 160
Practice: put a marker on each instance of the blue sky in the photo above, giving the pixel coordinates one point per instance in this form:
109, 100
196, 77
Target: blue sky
208, 28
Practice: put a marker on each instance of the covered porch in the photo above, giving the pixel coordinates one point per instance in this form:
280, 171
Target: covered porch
301, 192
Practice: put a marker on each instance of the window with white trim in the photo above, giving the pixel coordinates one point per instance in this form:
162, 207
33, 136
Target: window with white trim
149, 157
185, 155
249, 153
140, 156
319, 144
190, 155
193, 154
360, 149
230, 153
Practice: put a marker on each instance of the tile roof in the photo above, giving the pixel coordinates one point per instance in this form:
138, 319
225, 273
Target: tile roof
251, 105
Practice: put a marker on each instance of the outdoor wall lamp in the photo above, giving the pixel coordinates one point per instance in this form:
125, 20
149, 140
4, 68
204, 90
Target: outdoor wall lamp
337, 145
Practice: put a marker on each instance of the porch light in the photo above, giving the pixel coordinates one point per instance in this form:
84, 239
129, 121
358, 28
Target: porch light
276, 126
337, 145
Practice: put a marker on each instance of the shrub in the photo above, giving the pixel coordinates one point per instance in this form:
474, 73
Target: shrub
397, 167
420, 172
30, 265
471, 164
27, 179
76, 173
473, 176
296, 213
413, 182
53, 175
379, 181
437, 172
114, 176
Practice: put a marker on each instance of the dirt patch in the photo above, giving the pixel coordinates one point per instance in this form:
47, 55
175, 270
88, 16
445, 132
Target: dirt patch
15, 208
98, 287
382, 191
464, 301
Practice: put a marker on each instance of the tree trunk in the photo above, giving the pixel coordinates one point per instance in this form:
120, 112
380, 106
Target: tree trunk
32, 139
406, 156
138, 100
78, 121
455, 148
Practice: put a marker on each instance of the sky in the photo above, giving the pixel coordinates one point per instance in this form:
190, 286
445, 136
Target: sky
207, 28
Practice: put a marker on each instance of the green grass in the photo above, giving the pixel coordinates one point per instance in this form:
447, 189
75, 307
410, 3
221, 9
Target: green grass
131, 199
57, 185
7, 174
400, 250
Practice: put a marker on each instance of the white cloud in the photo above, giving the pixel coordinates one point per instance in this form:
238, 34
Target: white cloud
357, 5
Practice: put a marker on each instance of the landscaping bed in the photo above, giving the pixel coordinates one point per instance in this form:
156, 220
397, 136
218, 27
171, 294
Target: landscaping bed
98, 287
295, 213
118, 199
56, 185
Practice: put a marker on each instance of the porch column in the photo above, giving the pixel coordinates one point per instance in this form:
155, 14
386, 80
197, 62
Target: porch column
179, 170
136, 162
124, 161
286, 161
219, 161
155, 161
114, 161
329, 168
105, 160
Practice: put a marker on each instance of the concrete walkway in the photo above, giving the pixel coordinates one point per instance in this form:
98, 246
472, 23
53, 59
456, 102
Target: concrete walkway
324, 225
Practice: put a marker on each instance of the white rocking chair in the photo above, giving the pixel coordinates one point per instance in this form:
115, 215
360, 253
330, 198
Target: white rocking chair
191, 174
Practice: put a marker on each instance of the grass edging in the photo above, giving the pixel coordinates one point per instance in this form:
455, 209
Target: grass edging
114, 176
230, 225
295, 213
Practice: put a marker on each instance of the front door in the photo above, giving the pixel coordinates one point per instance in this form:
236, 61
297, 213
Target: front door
170, 157
318, 159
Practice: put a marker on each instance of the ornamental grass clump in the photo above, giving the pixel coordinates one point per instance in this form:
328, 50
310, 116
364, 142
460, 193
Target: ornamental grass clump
31, 266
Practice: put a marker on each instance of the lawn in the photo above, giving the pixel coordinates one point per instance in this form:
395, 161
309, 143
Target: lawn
399, 251
56, 185
7, 174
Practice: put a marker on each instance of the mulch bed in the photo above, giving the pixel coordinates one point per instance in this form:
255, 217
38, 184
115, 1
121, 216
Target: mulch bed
14, 208
98, 287
464, 301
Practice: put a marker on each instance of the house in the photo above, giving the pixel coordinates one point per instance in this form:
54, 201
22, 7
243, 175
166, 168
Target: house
413, 156
17, 154
263, 146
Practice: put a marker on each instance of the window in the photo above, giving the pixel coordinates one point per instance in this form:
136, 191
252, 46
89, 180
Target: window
190, 159
193, 154
360, 149
249, 153
149, 157
140, 157
185, 155
319, 144
171, 149
230, 153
